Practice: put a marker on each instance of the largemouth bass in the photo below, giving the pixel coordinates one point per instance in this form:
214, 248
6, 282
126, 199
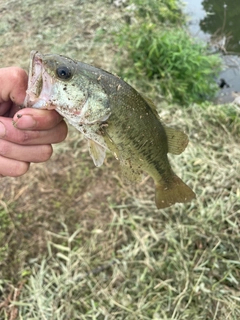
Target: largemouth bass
112, 115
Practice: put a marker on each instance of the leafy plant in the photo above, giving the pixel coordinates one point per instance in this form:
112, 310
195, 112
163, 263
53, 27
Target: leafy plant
167, 11
185, 69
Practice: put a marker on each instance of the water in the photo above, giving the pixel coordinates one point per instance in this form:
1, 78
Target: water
218, 22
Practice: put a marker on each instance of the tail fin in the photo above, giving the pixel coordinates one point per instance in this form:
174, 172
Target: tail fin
176, 191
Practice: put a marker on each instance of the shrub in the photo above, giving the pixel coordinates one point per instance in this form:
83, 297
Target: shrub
184, 67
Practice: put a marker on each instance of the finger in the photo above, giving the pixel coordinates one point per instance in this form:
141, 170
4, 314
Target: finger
34, 119
12, 168
5, 107
27, 137
14, 108
8, 109
15, 84
38, 153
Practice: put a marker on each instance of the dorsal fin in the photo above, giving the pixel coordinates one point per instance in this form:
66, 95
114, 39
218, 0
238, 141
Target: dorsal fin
151, 104
177, 140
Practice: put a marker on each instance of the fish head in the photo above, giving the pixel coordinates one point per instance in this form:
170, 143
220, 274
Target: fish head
68, 86
72, 89
52, 84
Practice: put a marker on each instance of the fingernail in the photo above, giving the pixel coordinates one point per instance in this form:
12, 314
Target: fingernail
25, 121
2, 130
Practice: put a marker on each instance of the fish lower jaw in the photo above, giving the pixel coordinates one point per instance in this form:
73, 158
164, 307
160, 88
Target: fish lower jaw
41, 104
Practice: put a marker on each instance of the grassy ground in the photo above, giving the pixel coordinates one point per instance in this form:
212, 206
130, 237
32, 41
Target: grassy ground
76, 243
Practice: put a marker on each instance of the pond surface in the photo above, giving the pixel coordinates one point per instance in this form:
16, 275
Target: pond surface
218, 21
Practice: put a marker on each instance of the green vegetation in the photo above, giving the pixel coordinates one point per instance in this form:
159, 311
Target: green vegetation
5, 224
76, 243
183, 67
155, 11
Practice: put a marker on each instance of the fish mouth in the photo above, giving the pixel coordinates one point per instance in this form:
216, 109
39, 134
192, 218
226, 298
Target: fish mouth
39, 84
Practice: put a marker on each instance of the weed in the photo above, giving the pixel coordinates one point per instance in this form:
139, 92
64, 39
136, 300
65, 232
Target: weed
186, 71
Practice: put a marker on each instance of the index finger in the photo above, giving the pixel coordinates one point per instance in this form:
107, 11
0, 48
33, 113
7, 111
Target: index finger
15, 84
36, 119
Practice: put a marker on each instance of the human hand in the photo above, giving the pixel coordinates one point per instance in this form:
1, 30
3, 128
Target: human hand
30, 138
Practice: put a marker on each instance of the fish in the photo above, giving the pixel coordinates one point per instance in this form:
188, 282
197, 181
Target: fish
113, 116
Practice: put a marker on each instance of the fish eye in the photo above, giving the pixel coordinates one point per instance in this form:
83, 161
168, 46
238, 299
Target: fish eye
64, 72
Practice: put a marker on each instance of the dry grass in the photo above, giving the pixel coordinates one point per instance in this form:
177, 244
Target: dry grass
76, 243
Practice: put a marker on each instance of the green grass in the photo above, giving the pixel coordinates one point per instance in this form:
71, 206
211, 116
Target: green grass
143, 265
128, 260
76, 243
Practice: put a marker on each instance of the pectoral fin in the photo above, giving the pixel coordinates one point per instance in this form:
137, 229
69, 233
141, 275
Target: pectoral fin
177, 140
97, 152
